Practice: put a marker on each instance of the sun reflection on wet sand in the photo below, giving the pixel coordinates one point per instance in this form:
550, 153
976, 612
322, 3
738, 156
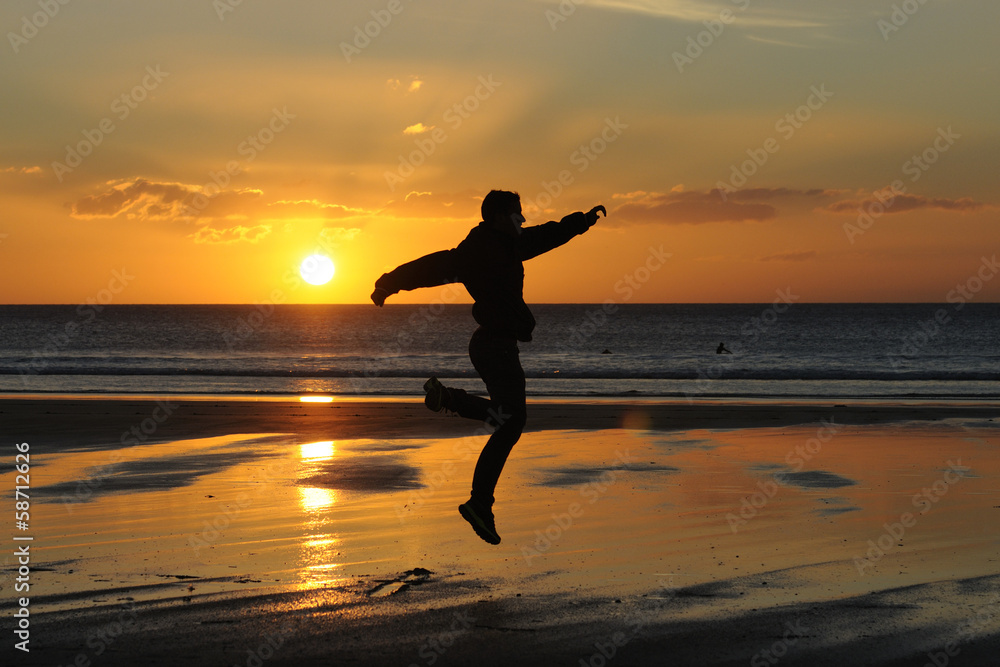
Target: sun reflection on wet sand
316, 399
319, 548
318, 568
314, 452
313, 500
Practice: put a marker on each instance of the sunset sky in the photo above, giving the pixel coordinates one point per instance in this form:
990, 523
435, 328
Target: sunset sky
202, 149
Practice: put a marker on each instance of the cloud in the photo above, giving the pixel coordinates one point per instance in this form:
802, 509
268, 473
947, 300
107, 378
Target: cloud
311, 209
227, 204
760, 194
231, 235
680, 206
26, 181
23, 171
777, 42
412, 87
419, 128
430, 205
697, 11
232, 216
142, 199
334, 236
795, 256
901, 203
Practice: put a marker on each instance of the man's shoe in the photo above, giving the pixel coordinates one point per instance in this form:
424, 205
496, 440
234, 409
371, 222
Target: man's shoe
481, 519
437, 395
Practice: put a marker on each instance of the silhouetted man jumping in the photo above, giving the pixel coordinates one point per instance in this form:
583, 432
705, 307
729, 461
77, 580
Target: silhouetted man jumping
489, 263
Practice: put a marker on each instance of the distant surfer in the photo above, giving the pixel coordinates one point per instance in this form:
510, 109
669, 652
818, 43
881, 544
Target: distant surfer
489, 263
722, 349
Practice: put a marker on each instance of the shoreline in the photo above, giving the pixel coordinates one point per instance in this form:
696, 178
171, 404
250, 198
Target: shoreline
98, 420
702, 399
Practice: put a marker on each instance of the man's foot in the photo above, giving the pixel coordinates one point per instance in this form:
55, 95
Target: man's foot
437, 395
481, 519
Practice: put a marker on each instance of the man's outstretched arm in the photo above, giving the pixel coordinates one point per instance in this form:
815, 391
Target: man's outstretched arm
437, 268
536, 240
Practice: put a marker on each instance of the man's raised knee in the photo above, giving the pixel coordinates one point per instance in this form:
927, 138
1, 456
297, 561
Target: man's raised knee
502, 416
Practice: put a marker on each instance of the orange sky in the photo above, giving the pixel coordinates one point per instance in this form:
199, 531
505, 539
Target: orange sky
224, 143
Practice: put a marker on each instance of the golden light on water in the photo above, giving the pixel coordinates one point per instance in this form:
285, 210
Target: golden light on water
313, 499
320, 548
313, 451
318, 566
316, 399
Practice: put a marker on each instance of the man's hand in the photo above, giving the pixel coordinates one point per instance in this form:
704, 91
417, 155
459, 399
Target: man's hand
591, 215
379, 296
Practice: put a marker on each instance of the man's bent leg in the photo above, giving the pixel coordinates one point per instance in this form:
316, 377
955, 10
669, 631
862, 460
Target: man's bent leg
497, 361
494, 456
466, 405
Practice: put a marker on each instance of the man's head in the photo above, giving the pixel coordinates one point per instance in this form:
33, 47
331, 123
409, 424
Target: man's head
502, 210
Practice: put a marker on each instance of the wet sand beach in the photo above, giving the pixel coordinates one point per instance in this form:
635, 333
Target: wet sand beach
250, 532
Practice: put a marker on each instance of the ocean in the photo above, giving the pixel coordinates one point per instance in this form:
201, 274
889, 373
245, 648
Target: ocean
947, 351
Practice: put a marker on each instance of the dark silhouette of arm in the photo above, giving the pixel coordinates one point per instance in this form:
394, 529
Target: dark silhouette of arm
437, 268
539, 239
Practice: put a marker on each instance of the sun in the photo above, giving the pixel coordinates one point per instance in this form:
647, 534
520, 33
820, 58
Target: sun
317, 269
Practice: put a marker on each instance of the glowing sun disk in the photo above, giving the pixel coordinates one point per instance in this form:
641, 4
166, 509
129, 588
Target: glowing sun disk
317, 269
